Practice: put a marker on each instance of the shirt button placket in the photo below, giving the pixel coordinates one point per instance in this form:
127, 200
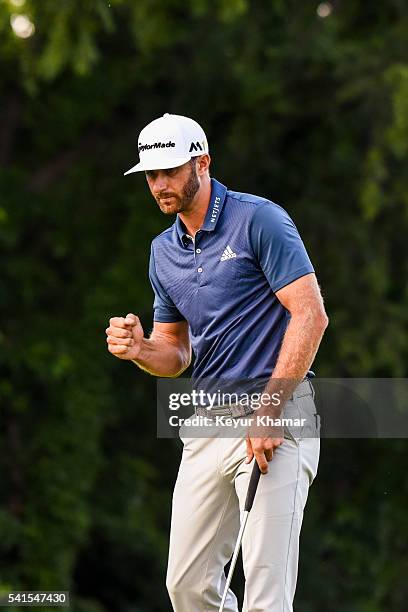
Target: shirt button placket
197, 252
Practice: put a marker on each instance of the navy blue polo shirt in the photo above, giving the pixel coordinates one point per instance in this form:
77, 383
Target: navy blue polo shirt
223, 283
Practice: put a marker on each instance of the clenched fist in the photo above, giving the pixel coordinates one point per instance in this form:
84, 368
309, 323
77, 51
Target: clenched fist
124, 336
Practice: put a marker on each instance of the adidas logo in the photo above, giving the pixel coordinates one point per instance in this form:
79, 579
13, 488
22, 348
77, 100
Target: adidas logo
228, 254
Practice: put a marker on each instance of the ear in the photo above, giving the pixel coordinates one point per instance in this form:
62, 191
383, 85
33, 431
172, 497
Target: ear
203, 164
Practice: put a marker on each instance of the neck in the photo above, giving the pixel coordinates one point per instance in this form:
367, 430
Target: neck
194, 218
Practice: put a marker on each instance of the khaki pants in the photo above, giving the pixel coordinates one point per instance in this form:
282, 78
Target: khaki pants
208, 498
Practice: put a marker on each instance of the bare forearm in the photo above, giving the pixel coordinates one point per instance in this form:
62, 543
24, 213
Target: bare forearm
300, 344
162, 358
299, 347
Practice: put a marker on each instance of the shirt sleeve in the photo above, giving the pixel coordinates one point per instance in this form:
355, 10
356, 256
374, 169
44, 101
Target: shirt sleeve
163, 307
278, 246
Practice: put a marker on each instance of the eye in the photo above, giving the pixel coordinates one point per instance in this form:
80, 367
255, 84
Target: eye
171, 171
149, 174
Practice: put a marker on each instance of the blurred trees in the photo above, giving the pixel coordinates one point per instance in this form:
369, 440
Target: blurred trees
311, 112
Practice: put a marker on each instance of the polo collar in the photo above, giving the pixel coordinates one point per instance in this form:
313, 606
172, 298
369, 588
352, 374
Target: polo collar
215, 206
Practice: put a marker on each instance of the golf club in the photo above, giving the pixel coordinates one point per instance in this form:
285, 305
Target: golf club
253, 484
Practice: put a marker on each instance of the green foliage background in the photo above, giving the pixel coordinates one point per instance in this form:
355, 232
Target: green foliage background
310, 112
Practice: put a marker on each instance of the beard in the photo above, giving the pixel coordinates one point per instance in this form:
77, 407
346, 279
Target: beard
180, 202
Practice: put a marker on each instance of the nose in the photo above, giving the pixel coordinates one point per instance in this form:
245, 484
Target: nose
160, 184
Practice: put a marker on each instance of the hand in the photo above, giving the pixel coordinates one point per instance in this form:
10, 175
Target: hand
262, 449
124, 336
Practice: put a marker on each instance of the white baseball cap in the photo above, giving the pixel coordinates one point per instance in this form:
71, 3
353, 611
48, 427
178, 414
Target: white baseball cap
168, 142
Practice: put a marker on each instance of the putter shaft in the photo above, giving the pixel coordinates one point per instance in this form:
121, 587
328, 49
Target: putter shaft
253, 484
234, 560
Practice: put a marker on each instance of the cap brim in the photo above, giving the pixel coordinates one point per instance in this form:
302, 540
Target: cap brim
162, 164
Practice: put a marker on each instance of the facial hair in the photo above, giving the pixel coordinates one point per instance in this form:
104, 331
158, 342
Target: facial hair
181, 202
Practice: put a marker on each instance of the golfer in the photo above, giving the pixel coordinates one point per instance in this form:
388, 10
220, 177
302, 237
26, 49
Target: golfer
234, 285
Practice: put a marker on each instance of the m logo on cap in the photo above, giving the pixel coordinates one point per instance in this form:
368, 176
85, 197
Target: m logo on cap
196, 146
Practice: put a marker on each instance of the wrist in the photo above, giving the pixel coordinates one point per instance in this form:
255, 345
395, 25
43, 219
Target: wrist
141, 353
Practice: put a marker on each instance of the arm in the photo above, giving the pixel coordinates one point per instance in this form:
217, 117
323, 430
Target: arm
167, 352
302, 298
282, 256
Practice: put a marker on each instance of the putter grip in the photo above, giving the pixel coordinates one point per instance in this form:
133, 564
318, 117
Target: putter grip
253, 484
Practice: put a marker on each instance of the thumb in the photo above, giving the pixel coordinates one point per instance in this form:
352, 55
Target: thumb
131, 319
249, 451
135, 326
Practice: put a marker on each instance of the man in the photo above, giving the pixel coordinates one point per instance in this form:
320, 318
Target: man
233, 280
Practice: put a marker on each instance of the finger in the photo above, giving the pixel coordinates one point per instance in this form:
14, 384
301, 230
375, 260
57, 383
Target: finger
249, 451
268, 454
122, 341
117, 322
268, 443
116, 349
118, 332
262, 462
